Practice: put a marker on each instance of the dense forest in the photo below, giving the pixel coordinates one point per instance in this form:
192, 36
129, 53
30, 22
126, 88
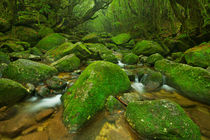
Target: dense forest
104, 69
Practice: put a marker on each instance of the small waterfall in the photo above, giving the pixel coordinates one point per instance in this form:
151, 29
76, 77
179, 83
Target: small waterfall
122, 65
138, 86
165, 86
44, 103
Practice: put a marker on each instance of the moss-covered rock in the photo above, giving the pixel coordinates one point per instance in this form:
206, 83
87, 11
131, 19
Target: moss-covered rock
88, 95
4, 58
10, 92
193, 82
91, 38
4, 25
147, 47
162, 120
27, 71
51, 41
12, 46
130, 59
100, 51
68, 63
44, 31
199, 56
26, 34
153, 58
178, 57
121, 38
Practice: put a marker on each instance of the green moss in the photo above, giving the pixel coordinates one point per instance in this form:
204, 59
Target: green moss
88, 95
161, 119
4, 58
51, 41
146, 47
153, 58
121, 38
193, 82
11, 92
113, 104
178, 57
68, 63
91, 38
198, 56
27, 71
44, 31
130, 59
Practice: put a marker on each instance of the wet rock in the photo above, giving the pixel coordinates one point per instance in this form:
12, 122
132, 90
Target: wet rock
121, 38
131, 97
56, 83
88, 95
44, 114
161, 119
7, 113
130, 59
112, 104
199, 55
43, 91
51, 41
24, 55
68, 63
131, 75
30, 87
4, 58
27, 71
148, 48
11, 92
36, 136
153, 58
193, 82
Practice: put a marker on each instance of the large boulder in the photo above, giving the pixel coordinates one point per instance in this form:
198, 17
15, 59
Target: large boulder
199, 55
88, 95
100, 51
11, 92
67, 48
162, 120
130, 59
51, 41
68, 63
27, 71
147, 47
193, 82
121, 38
26, 34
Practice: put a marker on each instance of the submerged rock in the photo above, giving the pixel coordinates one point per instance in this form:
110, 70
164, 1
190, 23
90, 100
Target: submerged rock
199, 56
112, 104
161, 119
51, 41
147, 47
121, 38
27, 71
11, 92
193, 82
130, 59
68, 63
88, 95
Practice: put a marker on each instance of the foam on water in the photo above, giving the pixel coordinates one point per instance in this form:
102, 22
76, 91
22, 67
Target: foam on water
32, 99
138, 86
167, 88
45, 103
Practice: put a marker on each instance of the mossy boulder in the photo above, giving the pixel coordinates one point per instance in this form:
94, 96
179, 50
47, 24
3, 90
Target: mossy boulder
68, 63
112, 104
100, 51
162, 120
4, 58
88, 95
193, 82
44, 31
153, 58
4, 25
178, 57
26, 34
27, 71
199, 55
51, 41
91, 38
121, 38
67, 48
11, 92
147, 47
130, 59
